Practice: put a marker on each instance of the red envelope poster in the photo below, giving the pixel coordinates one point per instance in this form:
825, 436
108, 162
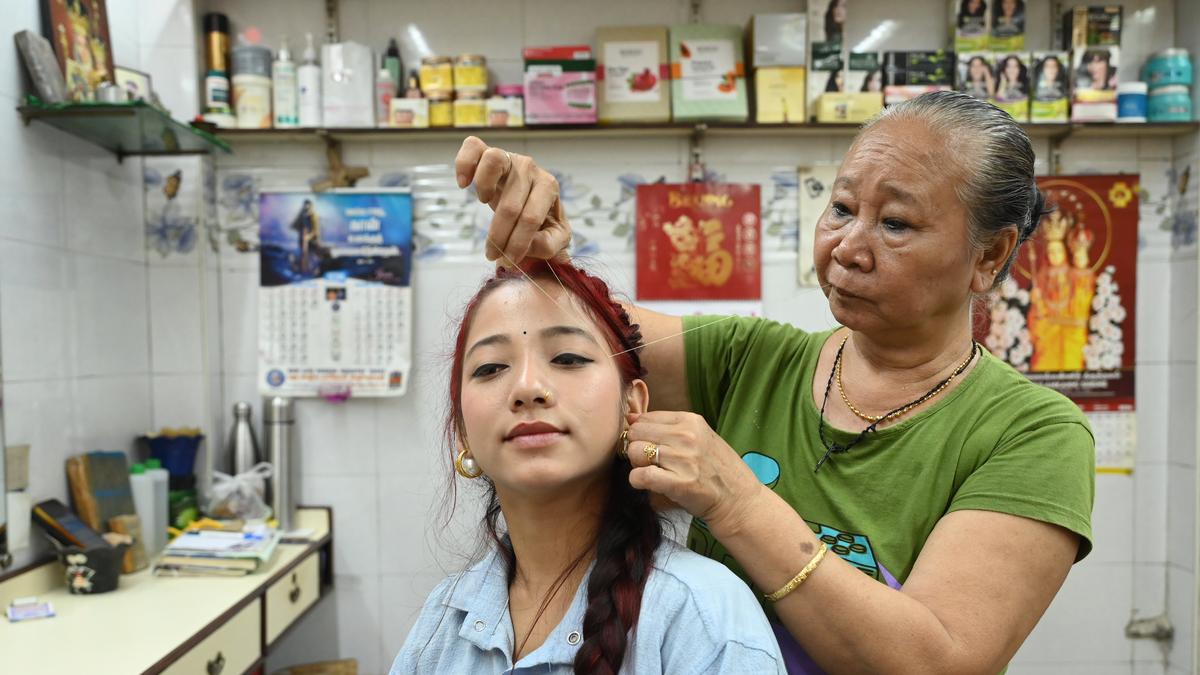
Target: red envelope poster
1066, 316
699, 241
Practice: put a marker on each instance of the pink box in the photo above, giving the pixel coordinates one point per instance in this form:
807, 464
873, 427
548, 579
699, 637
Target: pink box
555, 96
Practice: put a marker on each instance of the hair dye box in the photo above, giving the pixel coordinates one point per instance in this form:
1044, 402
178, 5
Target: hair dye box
827, 21
1008, 26
708, 79
779, 95
849, 107
633, 74
776, 40
1092, 26
1051, 88
560, 85
826, 73
864, 73
1012, 85
1094, 74
976, 74
919, 68
971, 23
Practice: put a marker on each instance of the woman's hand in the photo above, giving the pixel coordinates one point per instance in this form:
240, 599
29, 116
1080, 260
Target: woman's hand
695, 468
528, 218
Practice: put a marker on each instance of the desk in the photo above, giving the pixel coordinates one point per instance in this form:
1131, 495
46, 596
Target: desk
200, 625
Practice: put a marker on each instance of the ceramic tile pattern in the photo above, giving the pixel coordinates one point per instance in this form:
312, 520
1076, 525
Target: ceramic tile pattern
103, 329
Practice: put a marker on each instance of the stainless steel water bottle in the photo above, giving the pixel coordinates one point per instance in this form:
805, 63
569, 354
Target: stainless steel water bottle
278, 419
242, 453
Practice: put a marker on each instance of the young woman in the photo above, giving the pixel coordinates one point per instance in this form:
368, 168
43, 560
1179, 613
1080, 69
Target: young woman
1012, 80
544, 381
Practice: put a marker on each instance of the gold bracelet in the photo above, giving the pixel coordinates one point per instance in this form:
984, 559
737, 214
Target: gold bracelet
799, 578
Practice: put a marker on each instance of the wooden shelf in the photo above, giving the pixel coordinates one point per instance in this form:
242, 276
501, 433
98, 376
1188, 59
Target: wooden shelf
674, 130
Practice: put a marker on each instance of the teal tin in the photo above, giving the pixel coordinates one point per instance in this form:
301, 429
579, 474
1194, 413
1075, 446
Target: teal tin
1171, 104
1169, 67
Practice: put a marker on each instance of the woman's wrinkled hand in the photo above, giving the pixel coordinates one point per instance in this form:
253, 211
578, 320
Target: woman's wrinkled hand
528, 218
694, 468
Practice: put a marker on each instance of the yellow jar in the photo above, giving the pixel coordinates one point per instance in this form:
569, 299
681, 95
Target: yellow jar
441, 110
470, 110
470, 73
437, 75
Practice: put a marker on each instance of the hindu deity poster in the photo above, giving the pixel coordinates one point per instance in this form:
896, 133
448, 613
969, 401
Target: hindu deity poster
1065, 317
78, 29
699, 241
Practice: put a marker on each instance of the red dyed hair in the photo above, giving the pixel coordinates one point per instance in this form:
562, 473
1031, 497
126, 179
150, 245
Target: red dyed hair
630, 531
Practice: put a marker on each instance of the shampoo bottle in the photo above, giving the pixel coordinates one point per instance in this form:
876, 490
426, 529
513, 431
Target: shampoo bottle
283, 74
309, 77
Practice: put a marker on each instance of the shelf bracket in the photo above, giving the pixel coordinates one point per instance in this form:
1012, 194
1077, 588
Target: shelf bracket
340, 175
331, 21
1056, 142
696, 168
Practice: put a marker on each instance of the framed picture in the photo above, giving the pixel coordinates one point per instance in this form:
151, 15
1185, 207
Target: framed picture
78, 29
135, 83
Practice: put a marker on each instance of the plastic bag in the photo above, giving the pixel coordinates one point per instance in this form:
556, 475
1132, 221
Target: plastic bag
240, 496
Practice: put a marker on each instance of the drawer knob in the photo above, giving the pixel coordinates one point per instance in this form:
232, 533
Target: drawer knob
294, 594
216, 664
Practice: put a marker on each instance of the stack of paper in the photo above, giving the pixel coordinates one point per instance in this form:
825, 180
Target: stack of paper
215, 553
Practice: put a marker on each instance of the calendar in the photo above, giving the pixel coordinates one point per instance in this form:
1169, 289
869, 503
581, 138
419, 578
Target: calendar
1116, 440
335, 295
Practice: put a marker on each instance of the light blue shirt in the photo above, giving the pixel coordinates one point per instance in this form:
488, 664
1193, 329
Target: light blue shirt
696, 617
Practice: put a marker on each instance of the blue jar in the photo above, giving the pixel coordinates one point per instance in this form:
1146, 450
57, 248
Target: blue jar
1169, 67
1171, 104
1131, 102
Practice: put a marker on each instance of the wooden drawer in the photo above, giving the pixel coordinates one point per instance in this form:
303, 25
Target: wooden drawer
230, 650
291, 595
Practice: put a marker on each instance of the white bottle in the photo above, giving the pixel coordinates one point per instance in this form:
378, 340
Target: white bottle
162, 504
309, 77
385, 90
283, 76
141, 485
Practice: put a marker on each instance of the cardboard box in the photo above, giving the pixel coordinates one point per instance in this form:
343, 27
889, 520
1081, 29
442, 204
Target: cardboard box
827, 21
1012, 85
976, 74
919, 68
560, 85
1051, 84
708, 79
633, 74
898, 93
778, 40
826, 72
409, 113
864, 73
1094, 26
971, 23
779, 95
347, 85
848, 107
1008, 26
1094, 74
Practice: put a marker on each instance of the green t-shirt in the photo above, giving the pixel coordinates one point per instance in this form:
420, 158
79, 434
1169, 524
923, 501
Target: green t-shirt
995, 442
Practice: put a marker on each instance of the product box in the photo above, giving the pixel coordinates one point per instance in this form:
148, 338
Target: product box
347, 85
975, 75
707, 74
505, 112
779, 95
864, 73
826, 73
827, 20
1008, 26
919, 68
409, 113
972, 25
560, 85
778, 40
1051, 87
1094, 74
1012, 84
1094, 26
848, 107
632, 74
1093, 112
898, 93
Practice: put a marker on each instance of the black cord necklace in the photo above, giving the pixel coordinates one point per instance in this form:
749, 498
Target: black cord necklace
831, 447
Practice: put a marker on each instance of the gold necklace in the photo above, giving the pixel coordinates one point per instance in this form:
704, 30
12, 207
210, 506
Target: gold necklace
837, 368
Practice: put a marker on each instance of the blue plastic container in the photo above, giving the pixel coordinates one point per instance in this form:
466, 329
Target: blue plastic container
177, 453
1169, 67
1171, 104
1132, 102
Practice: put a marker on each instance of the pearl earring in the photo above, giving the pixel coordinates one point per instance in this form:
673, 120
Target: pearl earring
466, 466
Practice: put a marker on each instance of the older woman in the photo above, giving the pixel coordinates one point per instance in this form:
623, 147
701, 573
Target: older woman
955, 494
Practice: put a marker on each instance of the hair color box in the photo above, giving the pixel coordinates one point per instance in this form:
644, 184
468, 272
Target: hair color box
975, 74
864, 73
632, 74
560, 85
919, 68
707, 73
1012, 85
1094, 75
849, 107
898, 93
827, 20
1051, 87
778, 40
779, 95
972, 23
826, 73
1008, 26
1094, 26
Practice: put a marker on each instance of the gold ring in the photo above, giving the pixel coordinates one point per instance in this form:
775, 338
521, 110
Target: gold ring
652, 453
510, 162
